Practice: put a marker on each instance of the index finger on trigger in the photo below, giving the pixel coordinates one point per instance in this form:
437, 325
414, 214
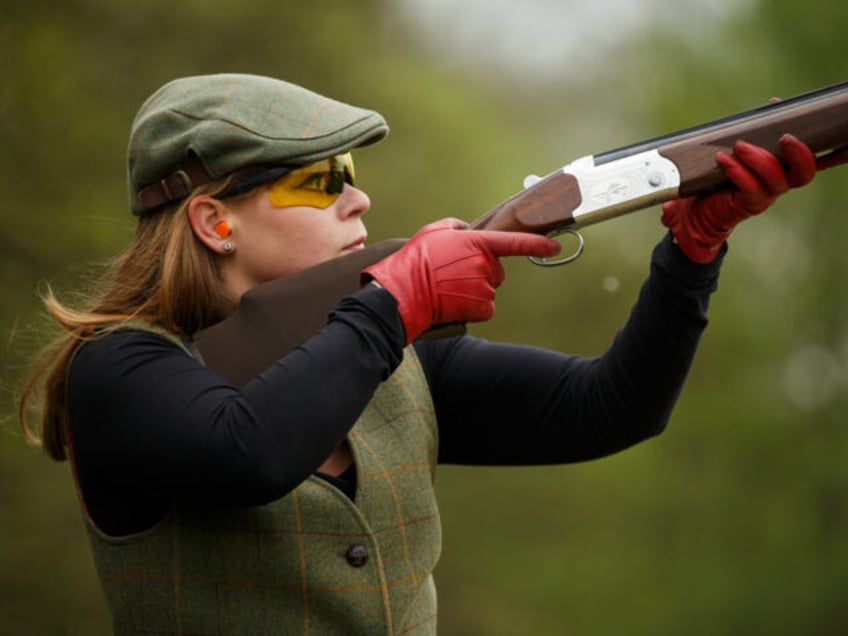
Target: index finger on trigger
519, 243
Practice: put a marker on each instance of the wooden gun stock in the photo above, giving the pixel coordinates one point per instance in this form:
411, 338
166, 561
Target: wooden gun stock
273, 318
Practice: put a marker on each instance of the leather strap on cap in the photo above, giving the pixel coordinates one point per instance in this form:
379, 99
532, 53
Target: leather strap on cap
175, 186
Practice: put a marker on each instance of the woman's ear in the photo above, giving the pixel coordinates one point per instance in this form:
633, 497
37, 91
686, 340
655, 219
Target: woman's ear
208, 219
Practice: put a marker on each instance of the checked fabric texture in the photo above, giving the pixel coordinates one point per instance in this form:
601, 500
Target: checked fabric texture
312, 562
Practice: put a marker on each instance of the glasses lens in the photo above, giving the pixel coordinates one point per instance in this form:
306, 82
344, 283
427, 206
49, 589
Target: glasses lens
315, 185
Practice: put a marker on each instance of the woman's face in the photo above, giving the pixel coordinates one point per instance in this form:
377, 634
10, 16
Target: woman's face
270, 242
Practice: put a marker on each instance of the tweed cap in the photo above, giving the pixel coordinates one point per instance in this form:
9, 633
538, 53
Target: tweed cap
229, 121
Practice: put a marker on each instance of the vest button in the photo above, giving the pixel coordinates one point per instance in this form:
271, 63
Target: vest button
357, 555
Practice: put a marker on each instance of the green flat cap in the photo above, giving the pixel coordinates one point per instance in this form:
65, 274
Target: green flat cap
196, 129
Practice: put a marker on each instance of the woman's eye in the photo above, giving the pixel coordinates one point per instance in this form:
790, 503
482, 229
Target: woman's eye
317, 181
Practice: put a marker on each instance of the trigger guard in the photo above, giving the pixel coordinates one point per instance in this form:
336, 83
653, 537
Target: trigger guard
542, 262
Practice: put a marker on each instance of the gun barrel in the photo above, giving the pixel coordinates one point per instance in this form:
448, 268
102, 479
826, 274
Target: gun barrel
835, 95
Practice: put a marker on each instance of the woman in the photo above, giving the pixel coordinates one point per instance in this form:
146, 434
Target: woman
302, 502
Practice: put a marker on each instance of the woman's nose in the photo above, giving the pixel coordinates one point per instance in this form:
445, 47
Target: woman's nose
353, 201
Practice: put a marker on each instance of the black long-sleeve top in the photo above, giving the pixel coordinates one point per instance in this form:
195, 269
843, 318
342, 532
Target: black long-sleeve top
151, 426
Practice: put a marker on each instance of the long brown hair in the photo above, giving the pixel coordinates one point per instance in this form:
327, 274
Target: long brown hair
165, 277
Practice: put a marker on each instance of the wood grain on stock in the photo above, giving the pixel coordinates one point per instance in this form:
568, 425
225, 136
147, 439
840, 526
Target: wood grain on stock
275, 317
538, 210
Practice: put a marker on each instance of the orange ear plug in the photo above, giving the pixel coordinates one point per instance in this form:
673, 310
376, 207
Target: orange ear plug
222, 229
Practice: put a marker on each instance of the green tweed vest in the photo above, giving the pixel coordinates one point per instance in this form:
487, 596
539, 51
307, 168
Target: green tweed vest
312, 562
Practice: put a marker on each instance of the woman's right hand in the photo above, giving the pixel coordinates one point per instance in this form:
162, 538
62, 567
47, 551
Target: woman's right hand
447, 273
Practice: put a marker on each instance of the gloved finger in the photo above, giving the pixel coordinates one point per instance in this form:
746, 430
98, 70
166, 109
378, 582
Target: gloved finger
764, 165
518, 243
752, 192
472, 278
671, 209
475, 279
800, 160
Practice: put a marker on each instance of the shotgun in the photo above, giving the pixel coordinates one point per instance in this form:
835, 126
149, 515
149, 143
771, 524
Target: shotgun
274, 317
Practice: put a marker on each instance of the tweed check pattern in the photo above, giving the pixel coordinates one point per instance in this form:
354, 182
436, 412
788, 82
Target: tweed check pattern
233, 120
281, 568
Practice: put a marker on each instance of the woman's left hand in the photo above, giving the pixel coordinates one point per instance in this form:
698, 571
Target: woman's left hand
701, 224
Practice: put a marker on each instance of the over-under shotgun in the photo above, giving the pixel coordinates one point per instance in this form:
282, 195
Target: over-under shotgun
275, 317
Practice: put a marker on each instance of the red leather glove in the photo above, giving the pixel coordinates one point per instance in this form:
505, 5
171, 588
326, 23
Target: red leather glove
700, 225
447, 273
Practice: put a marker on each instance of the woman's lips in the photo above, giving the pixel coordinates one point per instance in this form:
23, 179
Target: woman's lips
358, 244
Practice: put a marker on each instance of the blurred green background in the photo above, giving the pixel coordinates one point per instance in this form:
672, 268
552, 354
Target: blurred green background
732, 522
